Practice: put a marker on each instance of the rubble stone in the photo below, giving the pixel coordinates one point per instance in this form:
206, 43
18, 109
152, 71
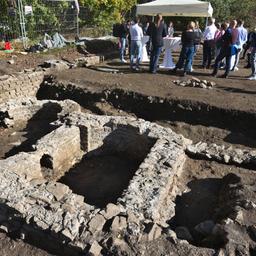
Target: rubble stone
95, 249
111, 211
96, 224
55, 210
223, 154
119, 223
205, 228
154, 232
195, 82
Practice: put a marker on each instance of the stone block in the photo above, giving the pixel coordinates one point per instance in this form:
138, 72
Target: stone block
96, 224
95, 249
111, 211
58, 190
154, 232
119, 223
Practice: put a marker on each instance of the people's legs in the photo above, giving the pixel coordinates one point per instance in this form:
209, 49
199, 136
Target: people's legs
248, 61
139, 53
180, 63
204, 54
152, 59
209, 55
237, 59
129, 47
157, 54
133, 49
218, 60
253, 62
189, 59
217, 52
246, 48
148, 47
122, 48
195, 51
228, 64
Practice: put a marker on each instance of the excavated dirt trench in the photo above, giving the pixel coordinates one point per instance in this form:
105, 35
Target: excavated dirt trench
101, 178
195, 120
201, 183
23, 134
202, 180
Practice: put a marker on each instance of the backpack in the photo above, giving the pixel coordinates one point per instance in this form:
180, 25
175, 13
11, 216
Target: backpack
116, 30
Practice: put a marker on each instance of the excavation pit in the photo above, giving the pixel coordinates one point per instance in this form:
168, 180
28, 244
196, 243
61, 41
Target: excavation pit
213, 196
87, 182
88, 170
197, 206
25, 126
105, 172
124, 160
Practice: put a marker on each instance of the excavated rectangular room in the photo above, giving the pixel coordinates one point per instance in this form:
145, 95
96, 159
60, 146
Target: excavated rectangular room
110, 162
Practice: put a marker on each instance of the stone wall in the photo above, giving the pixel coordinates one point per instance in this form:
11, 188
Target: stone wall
223, 154
49, 209
160, 151
23, 109
23, 84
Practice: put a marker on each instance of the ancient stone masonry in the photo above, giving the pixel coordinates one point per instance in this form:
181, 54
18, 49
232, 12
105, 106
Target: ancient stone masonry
24, 109
38, 203
220, 153
23, 84
153, 183
27, 83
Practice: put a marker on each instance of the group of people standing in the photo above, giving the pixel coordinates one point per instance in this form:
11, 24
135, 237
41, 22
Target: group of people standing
227, 39
220, 41
156, 31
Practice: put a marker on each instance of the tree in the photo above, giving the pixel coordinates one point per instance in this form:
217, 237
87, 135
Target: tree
106, 12
3, 9
235, 9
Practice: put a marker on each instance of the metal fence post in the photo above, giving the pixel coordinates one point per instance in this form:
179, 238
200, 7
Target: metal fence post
22, 24
77, 23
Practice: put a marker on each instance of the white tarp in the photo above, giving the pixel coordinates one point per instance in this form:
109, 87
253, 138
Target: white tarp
188, 8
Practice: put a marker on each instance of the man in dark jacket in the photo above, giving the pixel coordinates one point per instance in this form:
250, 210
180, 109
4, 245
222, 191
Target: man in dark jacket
156, 31
252, 41
228, 49
123, 32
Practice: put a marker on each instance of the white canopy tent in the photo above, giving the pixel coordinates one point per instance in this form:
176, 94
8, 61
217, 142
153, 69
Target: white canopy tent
187, 8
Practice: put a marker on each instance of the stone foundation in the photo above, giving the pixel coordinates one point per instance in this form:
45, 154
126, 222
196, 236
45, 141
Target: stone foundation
31, 195
21, 85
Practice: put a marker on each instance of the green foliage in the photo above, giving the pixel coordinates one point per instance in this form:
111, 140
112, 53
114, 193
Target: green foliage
235, 9
46, 17
3, 9
106, 12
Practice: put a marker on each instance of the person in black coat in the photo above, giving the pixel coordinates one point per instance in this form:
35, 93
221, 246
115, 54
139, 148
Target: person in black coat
156, 31
189, 39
